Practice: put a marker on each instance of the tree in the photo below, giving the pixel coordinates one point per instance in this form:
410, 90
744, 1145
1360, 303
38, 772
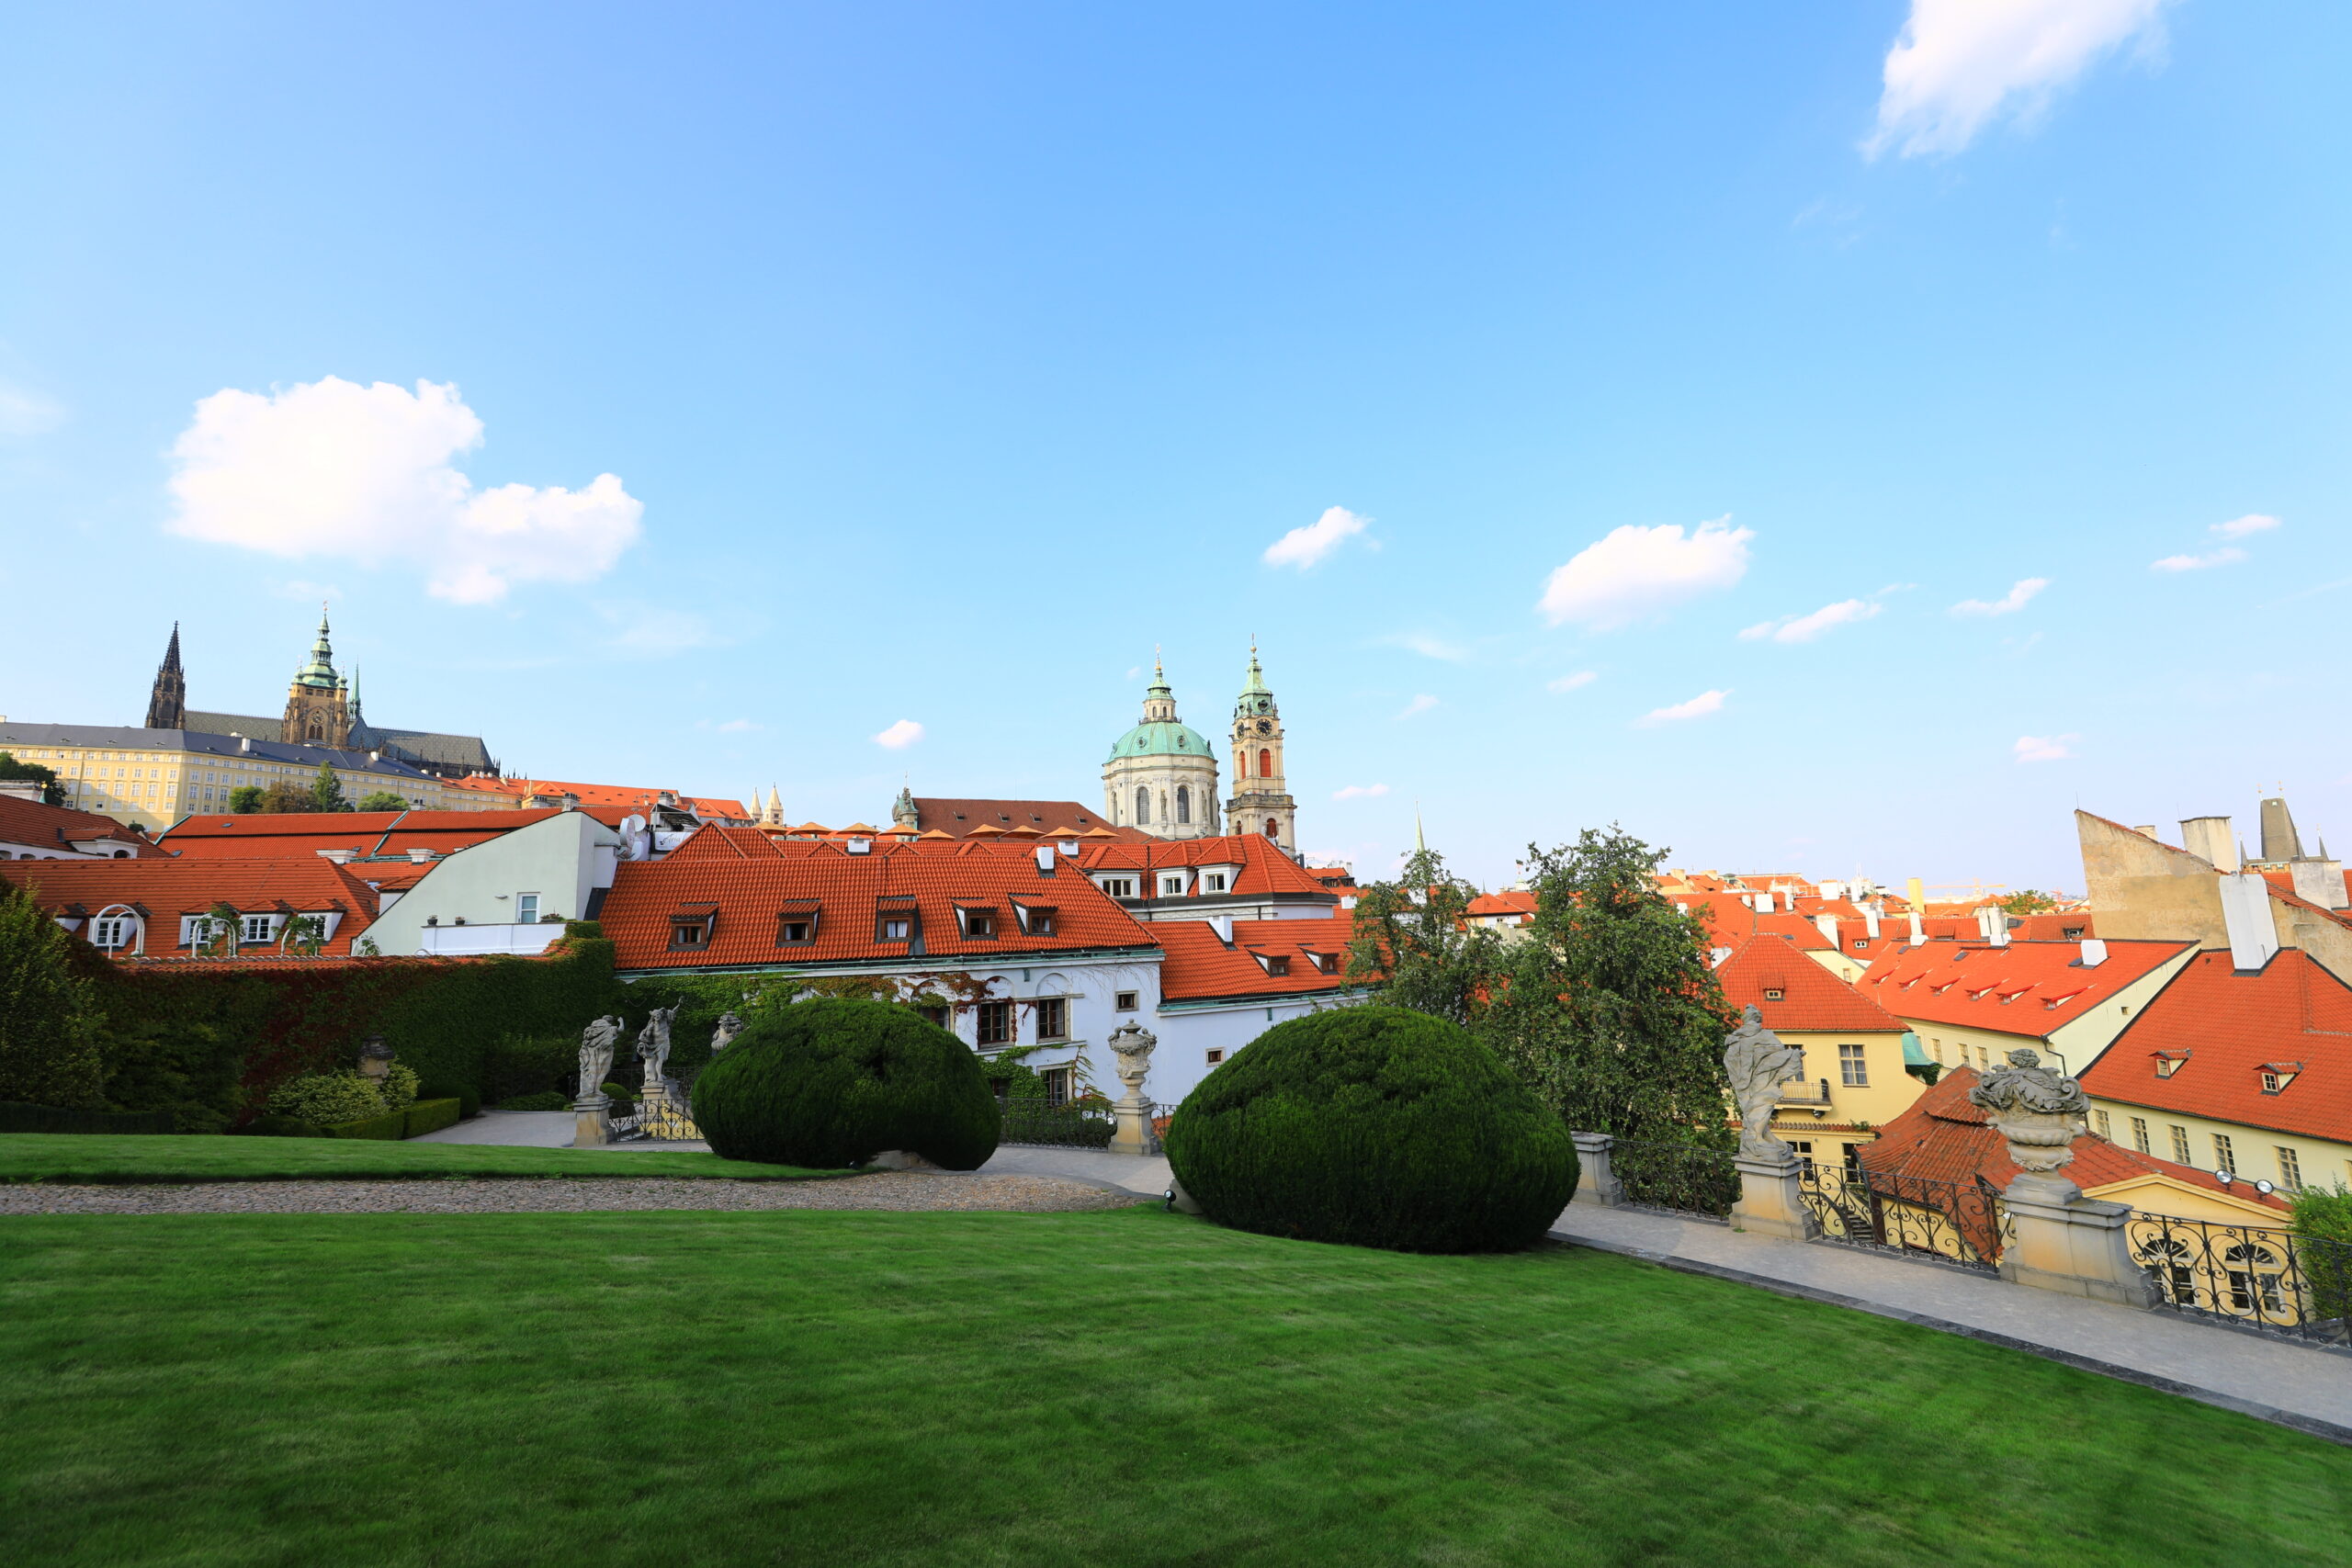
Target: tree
285, 796
1414, 939
248, 798
382, 800
52, 792
2028, 901
49, 1014
326, 791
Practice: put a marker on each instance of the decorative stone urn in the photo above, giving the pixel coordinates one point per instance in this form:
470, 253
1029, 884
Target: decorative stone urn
1133, 1044
375, 1058
2039, 1111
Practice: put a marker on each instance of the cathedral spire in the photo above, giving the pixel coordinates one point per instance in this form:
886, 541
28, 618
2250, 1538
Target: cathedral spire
320, 670
167, 702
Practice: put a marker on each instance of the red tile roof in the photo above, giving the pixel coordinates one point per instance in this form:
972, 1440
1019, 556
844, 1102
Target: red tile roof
55, 826
1794, 992
627, 797
1200, 966
1266, 869
279, 835
2229, 1027
958, 818
165, 888
2026, 987
1513, 905
851, 892
1731, 922
1943, 1138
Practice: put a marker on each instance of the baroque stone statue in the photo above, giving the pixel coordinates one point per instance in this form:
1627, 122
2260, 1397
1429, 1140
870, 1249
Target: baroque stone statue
653, 1044
1133, 1044
1758, 1064
2040, 1113
596, 1044
730, 1026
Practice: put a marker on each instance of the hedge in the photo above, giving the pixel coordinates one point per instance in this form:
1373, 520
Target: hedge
391, 1127
20, 1117
429, 1116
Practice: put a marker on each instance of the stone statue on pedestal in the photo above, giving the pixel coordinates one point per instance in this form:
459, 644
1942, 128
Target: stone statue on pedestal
2039, 1111
596, 1044
1758, 1064
730, 1026
653, 1047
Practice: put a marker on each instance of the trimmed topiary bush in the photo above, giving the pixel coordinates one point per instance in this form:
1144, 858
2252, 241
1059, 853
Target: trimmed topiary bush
1375, 1126
834, 1081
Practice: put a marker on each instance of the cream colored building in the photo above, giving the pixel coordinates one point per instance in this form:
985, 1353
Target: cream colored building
1161, 775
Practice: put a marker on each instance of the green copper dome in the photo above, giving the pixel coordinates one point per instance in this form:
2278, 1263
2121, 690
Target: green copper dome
1161, 737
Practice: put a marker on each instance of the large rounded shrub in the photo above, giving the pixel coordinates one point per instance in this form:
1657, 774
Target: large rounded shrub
1376, 1127
833, 1082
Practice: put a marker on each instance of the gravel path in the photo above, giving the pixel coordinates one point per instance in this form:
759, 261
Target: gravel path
904, 1190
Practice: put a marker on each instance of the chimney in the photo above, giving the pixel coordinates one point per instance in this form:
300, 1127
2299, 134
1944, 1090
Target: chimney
2094, 952
340, 857
2209, 839
420, 854
859, 846
1044, 859
570, 801
2318, 881
1870, 921
2147, 830
1223, 926
1763, 903
2245, 912
1828, 926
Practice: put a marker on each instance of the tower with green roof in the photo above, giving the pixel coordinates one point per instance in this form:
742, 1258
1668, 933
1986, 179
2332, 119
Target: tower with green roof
1161, 775
317, 705
1261, 802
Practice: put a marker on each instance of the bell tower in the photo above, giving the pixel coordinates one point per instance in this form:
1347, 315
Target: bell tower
1261, 800
318, 709
167, 704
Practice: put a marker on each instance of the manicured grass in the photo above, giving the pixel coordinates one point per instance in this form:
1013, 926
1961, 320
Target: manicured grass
102, 1157
1128, 1387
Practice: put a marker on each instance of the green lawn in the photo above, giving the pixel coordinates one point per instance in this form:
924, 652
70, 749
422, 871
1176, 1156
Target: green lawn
70, 1156
1125, 1387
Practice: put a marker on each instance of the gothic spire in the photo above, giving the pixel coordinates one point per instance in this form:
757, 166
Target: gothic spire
167, 702
320, 670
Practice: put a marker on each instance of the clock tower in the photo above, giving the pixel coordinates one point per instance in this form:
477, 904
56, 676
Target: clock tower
1261, 800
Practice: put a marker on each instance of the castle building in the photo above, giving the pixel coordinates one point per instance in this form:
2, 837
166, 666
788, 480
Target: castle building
167, 704
317, 705
1161, 775
1261, 800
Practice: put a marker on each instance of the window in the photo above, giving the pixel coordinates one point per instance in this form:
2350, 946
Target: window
1041, 922
1213, 882
1853, 1159
2167, 1065
1772, 994
1327, 962
1143, 805
1183, 803
2181, 1146
2140, 1134
110, 931
689, 933
895, 928
1853, 1071
1213, 1057
978, 924
933, 1013
1119, 886
2105, 1124
2223, 1158
2254, 1276
1860, 943
256, 928
2291, 1171
2277, 1077
1053, 1018
1056, 1080
996, 1023
1266, 762
1172, 887
1276, 962
1123, 1001
1273, 828
2169, 1263
794, 930
526, 909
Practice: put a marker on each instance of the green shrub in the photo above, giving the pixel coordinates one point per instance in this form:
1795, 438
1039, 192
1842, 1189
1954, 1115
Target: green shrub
20, 1118
50, 1009
1376, 1127
187, 1068
270, 1124
547, 1101
329, 1098
835, 1081
391, 1127
469, 1099
397, 1087
428, 1116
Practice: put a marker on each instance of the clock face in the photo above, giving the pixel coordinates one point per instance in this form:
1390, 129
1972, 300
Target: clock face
1265, 727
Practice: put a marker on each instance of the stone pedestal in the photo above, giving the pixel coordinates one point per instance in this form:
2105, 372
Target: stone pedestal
2063, 1241
1135, 1134
591, 1122
1596, 1182
1771, 1197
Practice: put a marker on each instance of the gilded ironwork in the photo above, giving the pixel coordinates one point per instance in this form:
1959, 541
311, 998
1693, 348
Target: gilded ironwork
1957, 1221
2298, 1287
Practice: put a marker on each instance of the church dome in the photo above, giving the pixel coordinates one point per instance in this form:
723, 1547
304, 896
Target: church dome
1161, 737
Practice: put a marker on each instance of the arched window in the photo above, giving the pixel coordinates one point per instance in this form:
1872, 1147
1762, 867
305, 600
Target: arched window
1266, 762
1240, 763
1183, 803
316, 732
2254, 1280
1143, 805
1273, 828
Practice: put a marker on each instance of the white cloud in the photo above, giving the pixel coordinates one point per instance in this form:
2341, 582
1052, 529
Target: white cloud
1304, 546
2239, 527
1805, 628
1635, 571
332, 469
1698, 707
1360, 792
27, 412
1419, 704
2044, 748
1430, 647
2010, 604
1571, 682
652, 629
2222, 557
299, 588
899, 736
1957, 63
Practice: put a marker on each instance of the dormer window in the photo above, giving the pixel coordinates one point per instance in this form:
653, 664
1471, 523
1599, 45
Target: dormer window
1119, 886
1172, 884
794, 930
2277, 1076
2168, 1061
1035, 920
977, 922
1275, 963
895, 928
1213, 882
1774, 993
689, 933
1327, 962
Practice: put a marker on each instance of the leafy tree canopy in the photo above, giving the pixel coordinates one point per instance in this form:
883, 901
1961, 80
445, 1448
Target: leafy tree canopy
381, 800
52, 792
2028, 901
326, 791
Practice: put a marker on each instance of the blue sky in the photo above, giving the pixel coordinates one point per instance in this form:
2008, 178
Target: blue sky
947, 359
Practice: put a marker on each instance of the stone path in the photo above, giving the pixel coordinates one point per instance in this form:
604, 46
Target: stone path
897, 1190
2296, 1385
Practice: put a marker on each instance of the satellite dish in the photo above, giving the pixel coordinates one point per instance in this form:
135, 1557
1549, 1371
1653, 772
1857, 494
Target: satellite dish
632, 823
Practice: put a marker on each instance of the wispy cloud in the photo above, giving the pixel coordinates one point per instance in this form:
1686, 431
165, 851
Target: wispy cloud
1632, 572
2044, 748
2239, 527
899, 736
1805, 628
1430, 647
1700, 707
2010, 604
1571, 683
26, 412
1419, 704
2227, 555
1360, 792
1307, 546
1958, 63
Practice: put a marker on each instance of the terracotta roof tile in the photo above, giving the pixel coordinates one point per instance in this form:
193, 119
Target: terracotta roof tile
1264, 868
57, 827
167, 888
1200, 966
2025, 987
1795, 992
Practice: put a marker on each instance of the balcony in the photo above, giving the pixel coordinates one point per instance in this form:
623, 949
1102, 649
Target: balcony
1804, 1091
468, 941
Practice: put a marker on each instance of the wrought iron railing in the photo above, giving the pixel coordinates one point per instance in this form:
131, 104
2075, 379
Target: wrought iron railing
2298, 1287
1957, 1221
1682, 1177
1804, 1091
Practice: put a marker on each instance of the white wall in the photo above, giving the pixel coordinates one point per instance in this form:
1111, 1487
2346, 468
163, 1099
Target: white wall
558, 858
